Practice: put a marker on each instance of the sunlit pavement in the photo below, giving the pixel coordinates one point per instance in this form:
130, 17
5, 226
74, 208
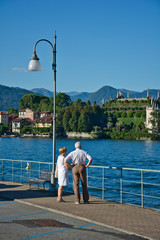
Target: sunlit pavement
28, 214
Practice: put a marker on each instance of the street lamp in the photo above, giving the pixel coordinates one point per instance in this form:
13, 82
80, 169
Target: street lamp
34, 65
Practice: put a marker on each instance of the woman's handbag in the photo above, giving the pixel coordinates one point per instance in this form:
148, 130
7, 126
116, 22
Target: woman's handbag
56, 171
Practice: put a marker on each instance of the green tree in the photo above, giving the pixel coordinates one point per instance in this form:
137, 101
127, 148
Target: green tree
84, 123
44, 104
130, 114
59, 120
4, 128
31, 101
123, 114
62, 100
73, 122
26, 129
66, 117
118, 114
88, 103
79, 102
12, 111
143, 114
138, 114
119, 125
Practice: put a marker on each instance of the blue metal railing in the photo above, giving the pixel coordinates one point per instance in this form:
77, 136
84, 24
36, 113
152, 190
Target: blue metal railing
125, 185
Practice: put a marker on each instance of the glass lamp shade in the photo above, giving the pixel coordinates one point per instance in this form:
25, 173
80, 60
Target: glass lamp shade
34, 65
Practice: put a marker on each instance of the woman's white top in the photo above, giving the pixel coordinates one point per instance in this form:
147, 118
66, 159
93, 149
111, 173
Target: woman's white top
63, 179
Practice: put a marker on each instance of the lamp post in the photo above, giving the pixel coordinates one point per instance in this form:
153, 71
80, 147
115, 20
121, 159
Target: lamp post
34, 65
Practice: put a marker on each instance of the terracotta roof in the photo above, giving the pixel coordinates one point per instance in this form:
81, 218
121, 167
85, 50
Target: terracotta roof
22, 110
17, 120
28, 120
24, 119
45, 119
12, 116
45, 112
3, 113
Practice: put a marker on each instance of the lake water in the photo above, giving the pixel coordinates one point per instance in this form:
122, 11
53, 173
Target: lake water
112, 153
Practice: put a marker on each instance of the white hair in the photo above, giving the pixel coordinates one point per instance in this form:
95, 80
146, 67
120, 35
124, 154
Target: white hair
77, 145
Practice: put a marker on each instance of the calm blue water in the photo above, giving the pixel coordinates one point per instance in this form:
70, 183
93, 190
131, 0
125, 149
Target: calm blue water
113, 153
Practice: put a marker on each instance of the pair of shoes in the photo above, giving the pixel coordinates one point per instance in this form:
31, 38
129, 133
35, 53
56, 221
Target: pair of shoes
77, 202
60, 200
86, 202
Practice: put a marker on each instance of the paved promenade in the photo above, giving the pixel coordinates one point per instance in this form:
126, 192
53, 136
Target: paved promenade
132, 220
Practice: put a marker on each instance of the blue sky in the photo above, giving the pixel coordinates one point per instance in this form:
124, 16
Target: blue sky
99, 42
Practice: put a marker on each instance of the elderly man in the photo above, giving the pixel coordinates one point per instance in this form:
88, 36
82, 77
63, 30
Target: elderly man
78, 158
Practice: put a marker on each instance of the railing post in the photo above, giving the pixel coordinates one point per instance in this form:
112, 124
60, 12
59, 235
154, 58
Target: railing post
142, 203
2, 170
103, 183
39, 168
121, 187
21, 172
87, 176
12, 171
30, 172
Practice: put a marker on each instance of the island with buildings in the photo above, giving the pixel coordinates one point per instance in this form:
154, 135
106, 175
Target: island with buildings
119, 118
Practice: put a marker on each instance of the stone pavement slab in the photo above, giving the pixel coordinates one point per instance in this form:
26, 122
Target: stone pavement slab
127, 218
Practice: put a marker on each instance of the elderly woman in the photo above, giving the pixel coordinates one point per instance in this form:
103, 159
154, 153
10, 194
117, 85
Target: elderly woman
78, 158
62, 168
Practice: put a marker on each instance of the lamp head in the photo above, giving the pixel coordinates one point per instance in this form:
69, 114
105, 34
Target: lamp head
34, 64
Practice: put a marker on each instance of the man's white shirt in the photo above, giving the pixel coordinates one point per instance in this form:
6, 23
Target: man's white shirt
78, 157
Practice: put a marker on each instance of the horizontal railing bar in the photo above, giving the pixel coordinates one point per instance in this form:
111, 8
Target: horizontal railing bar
144, 183
151, 196
144, 170
92, 166
138, 194
105, 189
130, 169
25, 161
104, 178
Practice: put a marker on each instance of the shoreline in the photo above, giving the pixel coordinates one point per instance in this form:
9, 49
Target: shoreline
74, 135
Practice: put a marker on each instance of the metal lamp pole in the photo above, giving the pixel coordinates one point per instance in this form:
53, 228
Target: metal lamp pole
34, 65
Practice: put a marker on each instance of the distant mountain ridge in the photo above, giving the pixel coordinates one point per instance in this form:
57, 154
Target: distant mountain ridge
10, 96
42, 91
105, 93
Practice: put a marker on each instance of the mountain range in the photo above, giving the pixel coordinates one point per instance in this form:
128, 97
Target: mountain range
10, 96
105, 93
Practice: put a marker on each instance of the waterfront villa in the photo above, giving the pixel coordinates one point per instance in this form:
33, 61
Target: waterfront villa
32, 118
44, 114
45, 121
18, 122
3, 117
28, 113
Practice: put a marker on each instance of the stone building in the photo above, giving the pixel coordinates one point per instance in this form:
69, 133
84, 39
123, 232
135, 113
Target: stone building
4, 117
28, 113
149, 110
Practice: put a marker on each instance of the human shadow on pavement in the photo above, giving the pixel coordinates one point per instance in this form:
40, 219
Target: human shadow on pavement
2, 185
28, 193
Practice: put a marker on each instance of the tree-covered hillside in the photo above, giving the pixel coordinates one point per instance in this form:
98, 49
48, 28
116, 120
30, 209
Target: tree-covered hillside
10, 97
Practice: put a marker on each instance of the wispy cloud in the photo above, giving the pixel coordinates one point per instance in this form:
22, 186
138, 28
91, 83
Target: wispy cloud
19, 69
